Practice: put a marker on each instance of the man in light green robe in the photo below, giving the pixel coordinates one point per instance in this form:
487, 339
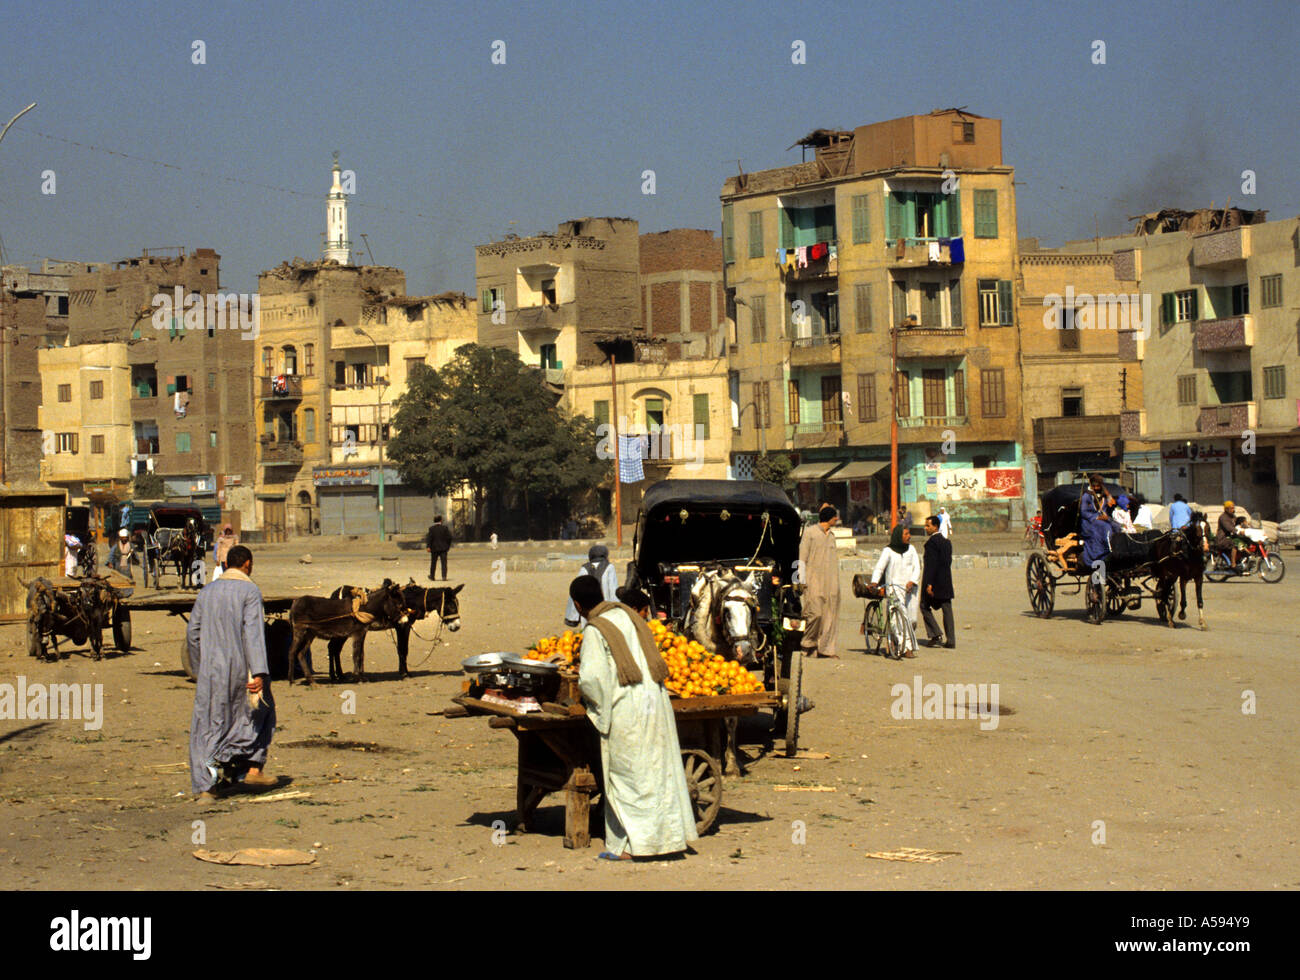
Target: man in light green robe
647, 805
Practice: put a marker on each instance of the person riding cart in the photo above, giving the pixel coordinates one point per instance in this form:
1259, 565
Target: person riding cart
1095, 524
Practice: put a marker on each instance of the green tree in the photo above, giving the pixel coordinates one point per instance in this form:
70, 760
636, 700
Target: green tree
774, 468
149, 486
486, 420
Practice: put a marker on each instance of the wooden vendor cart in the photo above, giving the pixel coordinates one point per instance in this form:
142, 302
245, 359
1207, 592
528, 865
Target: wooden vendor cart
559, 751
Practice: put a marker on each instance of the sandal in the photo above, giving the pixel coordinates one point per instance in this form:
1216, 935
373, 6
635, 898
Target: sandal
611, 856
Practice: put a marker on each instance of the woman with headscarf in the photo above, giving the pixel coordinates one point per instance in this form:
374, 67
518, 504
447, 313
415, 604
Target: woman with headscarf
226, 540
1120, 516
900, 565
598, 567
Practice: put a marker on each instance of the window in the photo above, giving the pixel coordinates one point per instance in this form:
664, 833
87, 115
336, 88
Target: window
359, 374
308, 425
728, 233
934, 392
1187, 389
1231, 386
490, 297
701, 410
266, 361
959, 393
412, 363
931, 305
995, 302
756, 234
547, 354
212, 438
1275, 382
1241, 299
900, 301
550, 296
654, 414
862, 306
903, 385
832, 400
291, 360
762, 405
825, 309
97, 389
1067, 337
792, 396
340, 374
308, 360
97, 445
1270, 291
212, 381
65, 393
66, 443
1179, 307
758, 318
993, 393
954, 304
866, 398
986, 214
63, 306
807, 226
963, 132
1072, 402
861, 219
600, 411
182, 382
182, 442
922, 214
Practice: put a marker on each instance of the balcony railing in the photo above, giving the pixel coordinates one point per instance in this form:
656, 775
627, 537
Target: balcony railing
282, 454
809, 435
916, 252
281, 386
146, 447
820, 349
823, 268
1076, 434
1225, 334
939, 421
1231, 419
1222, 247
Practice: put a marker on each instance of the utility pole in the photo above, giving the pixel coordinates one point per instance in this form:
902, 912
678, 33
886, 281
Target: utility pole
4, 423
613, 421
893, 427
379, 426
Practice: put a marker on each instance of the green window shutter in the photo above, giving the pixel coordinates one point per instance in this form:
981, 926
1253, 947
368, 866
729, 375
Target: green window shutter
986, 214
948, 215
1196, 304
728, 233
485, 301
1168, 308
787, 229
756, 234
701, 404
182, 442
600, 409
954, 304
909, 215
1004, 303
824, 224
862, 306
171, 389
861, 219
896, 215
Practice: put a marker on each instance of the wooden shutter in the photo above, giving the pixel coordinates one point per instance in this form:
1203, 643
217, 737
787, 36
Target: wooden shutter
756, 234
861, 219
787, 229
954, 303
866, 397
824, 223
792, 398
897, 204
959, 392
728, 233
900, 302
1004, 303
862, 307
701, 411
904, 382
986, 214
832, 402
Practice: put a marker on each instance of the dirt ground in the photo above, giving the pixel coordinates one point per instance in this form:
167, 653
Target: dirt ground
1130, 729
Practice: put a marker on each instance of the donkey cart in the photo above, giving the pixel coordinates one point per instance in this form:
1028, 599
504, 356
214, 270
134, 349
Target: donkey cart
78, 609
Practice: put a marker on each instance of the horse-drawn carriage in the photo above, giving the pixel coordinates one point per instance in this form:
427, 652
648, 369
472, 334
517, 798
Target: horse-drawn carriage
173, 538
1145, 564
717, 559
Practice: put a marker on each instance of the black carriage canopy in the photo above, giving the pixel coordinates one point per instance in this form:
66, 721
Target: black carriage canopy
1061, 510
663, 535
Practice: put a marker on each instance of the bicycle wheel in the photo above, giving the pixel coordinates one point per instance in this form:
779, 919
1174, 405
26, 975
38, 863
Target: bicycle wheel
894, 638
1272, 568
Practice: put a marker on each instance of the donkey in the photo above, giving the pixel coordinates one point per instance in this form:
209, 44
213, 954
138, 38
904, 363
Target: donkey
723, 615
98, 600
312, 616
53, 612
440, 603
1177, 558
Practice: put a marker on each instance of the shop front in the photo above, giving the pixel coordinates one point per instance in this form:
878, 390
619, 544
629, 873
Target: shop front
348, 501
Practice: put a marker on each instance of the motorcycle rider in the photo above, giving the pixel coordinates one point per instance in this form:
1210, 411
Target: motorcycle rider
1226, 539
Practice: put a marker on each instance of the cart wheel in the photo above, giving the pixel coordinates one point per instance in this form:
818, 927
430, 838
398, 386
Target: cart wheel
1041, 585
185, 659
793, 691
122, 629
704, 782
1115, 601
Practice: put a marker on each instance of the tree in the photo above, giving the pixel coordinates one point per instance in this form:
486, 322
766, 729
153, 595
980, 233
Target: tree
486, 420
149, 486
774, 468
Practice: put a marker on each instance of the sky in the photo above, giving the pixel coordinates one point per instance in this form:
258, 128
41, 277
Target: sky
150, 149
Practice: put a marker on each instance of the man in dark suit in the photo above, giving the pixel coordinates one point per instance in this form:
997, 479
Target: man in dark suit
936, 585
437, 543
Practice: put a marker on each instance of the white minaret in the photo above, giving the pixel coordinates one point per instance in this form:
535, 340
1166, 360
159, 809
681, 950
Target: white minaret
337, 245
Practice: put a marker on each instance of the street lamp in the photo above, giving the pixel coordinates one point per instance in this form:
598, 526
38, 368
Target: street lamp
379, 426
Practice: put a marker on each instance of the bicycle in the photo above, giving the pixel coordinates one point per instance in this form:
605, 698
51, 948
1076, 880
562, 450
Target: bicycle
886, 622
1034, 535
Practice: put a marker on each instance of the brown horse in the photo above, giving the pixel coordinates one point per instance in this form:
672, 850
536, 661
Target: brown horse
1178, 558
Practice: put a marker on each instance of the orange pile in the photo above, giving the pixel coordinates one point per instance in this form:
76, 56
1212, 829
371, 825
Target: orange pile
568, 644
696, 673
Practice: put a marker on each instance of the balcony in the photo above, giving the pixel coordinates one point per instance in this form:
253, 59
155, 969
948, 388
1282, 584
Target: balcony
1076, 434
937, 421
554, 376
1231, 419
931, 342
1225, 334
1220, 248
1133, 424
146, 446
282, 387
1132, 347
824, 268
815, 435
281, 454
822, 349
917, 253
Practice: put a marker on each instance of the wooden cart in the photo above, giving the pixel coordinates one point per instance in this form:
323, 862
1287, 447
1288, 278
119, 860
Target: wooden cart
120, 620
559, 751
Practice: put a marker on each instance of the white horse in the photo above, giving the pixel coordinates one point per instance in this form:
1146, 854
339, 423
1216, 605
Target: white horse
723, 617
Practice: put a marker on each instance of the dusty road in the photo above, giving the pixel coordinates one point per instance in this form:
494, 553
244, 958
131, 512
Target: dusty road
1129, 730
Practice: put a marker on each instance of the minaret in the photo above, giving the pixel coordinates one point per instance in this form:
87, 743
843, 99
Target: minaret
337, 245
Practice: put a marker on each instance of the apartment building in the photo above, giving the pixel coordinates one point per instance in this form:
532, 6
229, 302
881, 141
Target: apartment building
188, 349
1073, 311
1221, 362
553, 298
86, 411
909, 223
373, 359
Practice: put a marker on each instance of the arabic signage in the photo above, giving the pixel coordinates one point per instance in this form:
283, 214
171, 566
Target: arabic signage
980, 484
353, 476
1195, 452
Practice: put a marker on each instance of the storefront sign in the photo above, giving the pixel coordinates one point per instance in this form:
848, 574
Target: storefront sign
979, 484
1195, 452
354, 476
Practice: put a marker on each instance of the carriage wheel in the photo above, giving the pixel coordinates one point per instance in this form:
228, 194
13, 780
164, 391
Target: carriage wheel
1041, 585
122, 629
704, 783
1115, 601
186, 665
1096, 603
1272, 568
793, 693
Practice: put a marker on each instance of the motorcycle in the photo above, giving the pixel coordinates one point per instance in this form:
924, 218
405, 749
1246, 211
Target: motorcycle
1252, 556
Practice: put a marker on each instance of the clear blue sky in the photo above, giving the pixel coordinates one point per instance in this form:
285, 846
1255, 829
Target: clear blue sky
451, 150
